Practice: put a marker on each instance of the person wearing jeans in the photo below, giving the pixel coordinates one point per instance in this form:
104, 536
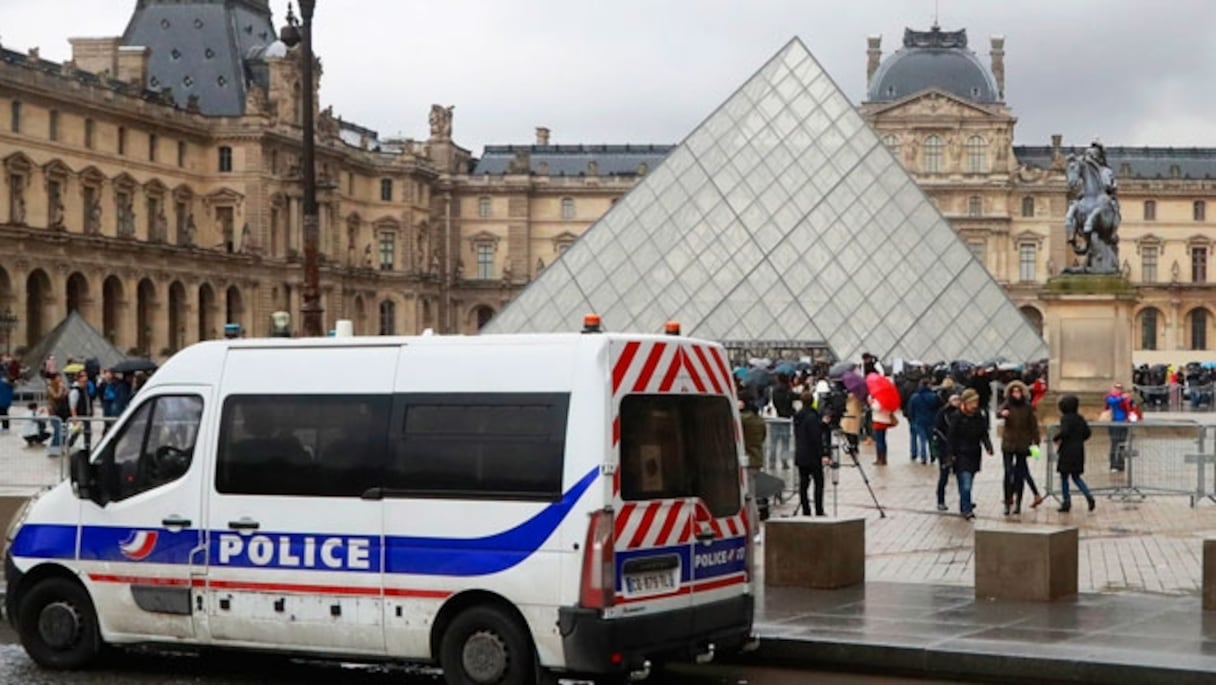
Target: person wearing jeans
922, 411
1070, 448
968, 433
1119, 407
941, 447
1021, 430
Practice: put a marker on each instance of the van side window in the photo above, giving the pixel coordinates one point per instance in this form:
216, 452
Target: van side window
675, 446
156, 445
302, 445
480, 446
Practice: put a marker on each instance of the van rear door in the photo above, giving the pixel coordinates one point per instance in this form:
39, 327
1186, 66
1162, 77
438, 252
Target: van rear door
679, 525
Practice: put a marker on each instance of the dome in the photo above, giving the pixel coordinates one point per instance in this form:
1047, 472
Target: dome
933, 59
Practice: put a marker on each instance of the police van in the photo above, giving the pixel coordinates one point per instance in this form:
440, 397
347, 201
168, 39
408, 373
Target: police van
509, 507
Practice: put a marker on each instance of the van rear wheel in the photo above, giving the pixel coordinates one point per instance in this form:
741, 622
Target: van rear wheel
486, 646
58, 625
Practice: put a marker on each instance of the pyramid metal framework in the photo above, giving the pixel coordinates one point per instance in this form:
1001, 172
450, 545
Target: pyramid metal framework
782, 217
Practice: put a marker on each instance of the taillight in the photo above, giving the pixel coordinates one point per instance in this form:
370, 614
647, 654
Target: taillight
598, 589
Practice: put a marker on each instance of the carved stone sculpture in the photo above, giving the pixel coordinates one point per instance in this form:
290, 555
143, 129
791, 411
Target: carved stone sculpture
441, 121
126, 219
93, 227
188, 237
161, 228
57, 212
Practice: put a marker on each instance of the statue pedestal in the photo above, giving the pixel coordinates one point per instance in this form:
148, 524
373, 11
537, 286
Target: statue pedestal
1089, 331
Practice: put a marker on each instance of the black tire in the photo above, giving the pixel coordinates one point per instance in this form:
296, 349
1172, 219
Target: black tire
58, 625
486, 646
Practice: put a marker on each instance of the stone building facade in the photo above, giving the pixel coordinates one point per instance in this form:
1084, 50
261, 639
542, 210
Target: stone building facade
152, 183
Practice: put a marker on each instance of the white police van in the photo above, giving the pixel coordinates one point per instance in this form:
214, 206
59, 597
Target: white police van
509, 507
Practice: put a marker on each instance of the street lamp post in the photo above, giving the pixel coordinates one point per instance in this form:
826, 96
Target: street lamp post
310, 298
8, 322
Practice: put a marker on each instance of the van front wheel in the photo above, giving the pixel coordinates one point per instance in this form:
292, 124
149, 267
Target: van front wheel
58, 625
486, 646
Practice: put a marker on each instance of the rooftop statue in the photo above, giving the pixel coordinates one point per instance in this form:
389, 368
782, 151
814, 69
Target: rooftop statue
1092, 222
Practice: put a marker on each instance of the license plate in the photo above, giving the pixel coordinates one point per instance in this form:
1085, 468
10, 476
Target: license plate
652, 583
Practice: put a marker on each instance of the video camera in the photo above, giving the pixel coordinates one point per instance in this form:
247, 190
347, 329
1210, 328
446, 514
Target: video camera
832, 405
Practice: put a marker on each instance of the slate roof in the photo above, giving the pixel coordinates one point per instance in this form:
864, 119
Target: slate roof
572, 160
21, 59
200, 47
1137, 162
933, 59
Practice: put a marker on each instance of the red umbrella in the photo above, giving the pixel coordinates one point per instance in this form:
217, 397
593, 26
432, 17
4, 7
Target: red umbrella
883, 391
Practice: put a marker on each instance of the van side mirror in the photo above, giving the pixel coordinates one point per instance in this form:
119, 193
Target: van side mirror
82, 475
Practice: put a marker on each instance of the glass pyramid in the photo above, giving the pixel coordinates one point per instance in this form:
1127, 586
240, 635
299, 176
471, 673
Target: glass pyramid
782, 217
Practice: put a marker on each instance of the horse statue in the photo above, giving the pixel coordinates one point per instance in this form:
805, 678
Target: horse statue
1093, 217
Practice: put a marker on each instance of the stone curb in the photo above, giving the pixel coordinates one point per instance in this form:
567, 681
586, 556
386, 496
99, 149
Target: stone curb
931, 662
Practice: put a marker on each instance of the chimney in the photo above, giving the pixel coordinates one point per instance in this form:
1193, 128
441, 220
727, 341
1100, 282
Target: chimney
133, 64
96, 55
34, 55
998, 64
1057, 139
873, 57
542, 135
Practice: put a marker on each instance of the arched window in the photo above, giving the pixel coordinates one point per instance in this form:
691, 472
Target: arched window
1199, 210
892, 143
1028, 207
975, 206
1198, 322
977, 162
388, 318
1150, 210
933, 155
1150, 319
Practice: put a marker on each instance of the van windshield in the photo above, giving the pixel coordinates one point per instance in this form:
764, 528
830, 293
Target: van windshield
676, 446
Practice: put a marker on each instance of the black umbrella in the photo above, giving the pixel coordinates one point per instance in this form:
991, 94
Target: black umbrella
133, 365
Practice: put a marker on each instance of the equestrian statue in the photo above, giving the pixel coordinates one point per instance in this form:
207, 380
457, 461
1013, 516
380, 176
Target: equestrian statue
1092, 222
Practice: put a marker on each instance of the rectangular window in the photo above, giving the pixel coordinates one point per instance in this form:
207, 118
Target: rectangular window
152, 141
153, 212
302, 445
1028, 207
481, 446
1027, 257
53, 125
155, 446
90, 198
350, 183
1199, 329
181, 154
977, 249
1150, 210
676, 446
483, 207
225, 160
1148, 329
387, 249
179, 222
88, 133
386, 189
122, 140
1148, 263
1199, 210
15, 118
1199, 265
567, 208
485, 261
975, 206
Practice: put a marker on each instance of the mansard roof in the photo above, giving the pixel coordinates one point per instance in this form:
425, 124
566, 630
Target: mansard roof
574, 160
1136, 162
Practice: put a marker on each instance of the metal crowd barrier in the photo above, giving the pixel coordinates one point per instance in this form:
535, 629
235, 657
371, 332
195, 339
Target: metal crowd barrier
1133, 460
1196, 398
44, 463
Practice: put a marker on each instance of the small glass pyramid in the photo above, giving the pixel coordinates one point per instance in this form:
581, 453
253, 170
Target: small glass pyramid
782, 217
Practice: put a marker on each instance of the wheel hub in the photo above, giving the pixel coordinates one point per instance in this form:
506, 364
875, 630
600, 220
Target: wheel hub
59, 625
484, 657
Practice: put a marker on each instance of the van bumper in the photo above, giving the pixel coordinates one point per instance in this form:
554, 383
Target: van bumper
589, 640
12, 577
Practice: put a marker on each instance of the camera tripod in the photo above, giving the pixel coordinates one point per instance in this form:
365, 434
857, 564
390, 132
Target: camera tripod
836, 446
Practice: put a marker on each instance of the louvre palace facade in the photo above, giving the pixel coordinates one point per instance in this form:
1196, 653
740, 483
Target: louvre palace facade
152, 183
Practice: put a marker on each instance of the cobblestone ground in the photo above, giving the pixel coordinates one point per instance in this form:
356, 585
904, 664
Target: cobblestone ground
1152, 544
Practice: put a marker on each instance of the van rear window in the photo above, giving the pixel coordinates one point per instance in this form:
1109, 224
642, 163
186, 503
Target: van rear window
675, 446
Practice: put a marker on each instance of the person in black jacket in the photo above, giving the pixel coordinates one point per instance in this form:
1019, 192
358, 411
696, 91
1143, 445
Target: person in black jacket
782, 398
940, 446
1070, 448
968, 433
809, 454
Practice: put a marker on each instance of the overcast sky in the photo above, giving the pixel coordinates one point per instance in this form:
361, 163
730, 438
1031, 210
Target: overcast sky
648, 71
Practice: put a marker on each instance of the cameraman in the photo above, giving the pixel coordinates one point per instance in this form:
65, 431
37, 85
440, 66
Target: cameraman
809, 454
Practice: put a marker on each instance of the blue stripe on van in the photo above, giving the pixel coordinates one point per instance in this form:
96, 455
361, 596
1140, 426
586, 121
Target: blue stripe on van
413, 555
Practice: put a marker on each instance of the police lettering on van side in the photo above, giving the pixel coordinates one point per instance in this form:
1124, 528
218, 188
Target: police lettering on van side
333, 553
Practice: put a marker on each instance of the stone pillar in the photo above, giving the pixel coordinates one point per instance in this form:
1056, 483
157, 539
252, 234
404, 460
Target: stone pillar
873, 57
814, 552
1034, 563
1088, 323
190, 315
128, 327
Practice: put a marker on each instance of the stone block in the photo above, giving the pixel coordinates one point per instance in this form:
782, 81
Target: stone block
1209, 575
1028, 563
822, 553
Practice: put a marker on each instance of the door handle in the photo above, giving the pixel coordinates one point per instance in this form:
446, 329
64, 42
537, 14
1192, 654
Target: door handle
175, 521
244, 523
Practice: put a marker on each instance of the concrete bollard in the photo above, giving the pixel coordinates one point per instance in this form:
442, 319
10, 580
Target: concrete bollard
1034, 563
1209, 574
817, 553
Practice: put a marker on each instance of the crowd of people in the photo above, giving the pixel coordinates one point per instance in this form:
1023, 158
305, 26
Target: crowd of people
949, 410
72, 393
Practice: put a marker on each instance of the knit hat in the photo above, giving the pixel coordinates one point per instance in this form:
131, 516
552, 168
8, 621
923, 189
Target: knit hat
970, 395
